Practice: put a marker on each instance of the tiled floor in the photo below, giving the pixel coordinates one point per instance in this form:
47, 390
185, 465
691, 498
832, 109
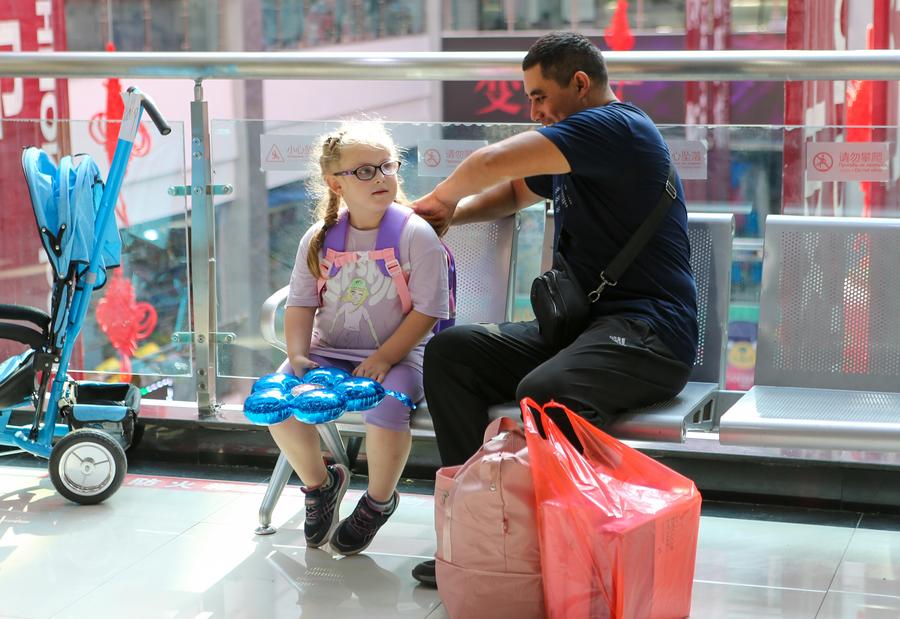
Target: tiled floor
185, 549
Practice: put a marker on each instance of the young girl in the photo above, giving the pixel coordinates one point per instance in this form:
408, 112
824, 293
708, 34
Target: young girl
356, 322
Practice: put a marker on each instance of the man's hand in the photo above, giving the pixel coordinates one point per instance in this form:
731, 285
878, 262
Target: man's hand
300, 364
439, 214
373, 367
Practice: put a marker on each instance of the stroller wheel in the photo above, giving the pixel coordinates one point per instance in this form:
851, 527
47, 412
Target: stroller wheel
87, 466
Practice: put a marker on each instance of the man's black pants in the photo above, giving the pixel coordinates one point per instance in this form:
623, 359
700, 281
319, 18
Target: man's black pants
617, 364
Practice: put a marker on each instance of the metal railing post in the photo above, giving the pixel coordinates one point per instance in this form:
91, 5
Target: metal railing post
203, 256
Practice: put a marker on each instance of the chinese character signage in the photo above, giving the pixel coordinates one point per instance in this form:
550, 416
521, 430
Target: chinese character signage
854, 161
504, 97
440, 157
689, 157
505, 101
285, 152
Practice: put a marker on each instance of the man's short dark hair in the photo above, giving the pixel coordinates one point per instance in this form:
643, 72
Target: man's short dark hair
561, 54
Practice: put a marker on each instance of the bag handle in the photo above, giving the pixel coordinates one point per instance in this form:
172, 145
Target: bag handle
527, 415
600, 448
502, 424
531, 411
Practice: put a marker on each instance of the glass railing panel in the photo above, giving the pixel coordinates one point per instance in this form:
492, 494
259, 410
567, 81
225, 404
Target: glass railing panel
148, 296
294, 25
258, 228
755, 171
735, 169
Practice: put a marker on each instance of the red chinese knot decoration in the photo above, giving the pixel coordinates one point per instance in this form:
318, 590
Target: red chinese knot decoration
124, 320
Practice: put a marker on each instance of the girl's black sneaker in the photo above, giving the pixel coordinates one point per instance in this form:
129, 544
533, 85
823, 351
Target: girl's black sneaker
354, 534
323, 506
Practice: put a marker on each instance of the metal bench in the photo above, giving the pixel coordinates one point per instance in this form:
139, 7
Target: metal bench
828, 350
711, 239
485, 255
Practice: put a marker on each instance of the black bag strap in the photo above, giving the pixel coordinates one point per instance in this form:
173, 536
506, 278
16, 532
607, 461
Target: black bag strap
610, 275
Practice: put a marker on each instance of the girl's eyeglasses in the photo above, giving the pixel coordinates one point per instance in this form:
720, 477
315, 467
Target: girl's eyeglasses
367, 172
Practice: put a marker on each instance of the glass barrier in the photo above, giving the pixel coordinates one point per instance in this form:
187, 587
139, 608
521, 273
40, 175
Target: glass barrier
262, 222
749, 171
147, 298
196, 25
293, 25
662, 16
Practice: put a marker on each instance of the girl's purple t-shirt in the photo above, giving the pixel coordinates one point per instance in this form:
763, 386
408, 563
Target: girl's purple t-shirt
360, 307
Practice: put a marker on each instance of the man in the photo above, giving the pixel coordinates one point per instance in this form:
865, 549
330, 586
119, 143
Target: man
605, 165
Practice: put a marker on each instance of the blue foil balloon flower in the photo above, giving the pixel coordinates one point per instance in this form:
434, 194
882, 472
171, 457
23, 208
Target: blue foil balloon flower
364, 393
317, 406
266, 407
320, 396
361, 393
281, 381
327, 377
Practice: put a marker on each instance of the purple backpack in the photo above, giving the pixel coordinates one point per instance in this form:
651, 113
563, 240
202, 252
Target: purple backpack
387, 252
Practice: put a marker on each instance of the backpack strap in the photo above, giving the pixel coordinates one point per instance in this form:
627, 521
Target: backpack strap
451, 281
386, 252
335, 242
390, 229
387, 259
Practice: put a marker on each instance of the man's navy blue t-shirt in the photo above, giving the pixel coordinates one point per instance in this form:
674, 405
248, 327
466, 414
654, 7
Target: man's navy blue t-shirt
620, 164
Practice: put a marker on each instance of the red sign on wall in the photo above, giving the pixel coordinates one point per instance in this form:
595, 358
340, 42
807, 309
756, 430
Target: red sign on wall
30, 113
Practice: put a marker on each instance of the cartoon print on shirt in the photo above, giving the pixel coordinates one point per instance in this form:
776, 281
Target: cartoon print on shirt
353, 309
381, 308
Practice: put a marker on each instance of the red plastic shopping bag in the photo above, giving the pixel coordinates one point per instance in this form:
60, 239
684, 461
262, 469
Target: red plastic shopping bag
617, 530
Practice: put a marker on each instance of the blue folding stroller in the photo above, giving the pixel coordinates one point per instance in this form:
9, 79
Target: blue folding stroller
74, 214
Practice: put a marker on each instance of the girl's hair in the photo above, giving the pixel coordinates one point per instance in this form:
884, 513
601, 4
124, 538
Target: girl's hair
328, 151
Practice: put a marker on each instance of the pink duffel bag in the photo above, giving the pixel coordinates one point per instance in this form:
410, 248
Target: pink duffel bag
488, 557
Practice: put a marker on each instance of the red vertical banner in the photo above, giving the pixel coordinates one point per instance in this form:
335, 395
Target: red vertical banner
696, 37
708, 27
812, 25
30, 113
719, 153
879, 193
720, 92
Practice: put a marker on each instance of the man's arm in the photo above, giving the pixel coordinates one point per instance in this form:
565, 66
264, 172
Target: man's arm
501, 166
526, 154
495, 203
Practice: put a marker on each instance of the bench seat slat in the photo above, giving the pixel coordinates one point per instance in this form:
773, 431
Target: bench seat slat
796, 417
662, 422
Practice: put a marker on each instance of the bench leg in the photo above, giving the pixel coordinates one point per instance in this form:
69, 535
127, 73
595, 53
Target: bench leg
282, 473
353, 445
280, 476
332, 439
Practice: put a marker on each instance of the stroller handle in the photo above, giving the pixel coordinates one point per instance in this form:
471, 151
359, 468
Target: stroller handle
150, 107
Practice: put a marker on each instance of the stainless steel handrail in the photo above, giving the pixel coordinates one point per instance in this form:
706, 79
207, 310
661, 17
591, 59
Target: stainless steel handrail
762, 65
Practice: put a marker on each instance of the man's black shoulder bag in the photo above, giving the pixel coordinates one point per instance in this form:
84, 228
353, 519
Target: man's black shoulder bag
559, 302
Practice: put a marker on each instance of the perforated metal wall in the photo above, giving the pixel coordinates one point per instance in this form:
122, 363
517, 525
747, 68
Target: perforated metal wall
710, 236
701, 263
483, 254
830, 304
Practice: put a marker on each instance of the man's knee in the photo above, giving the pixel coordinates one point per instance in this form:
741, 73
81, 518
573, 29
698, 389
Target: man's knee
449, 344
542, 385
